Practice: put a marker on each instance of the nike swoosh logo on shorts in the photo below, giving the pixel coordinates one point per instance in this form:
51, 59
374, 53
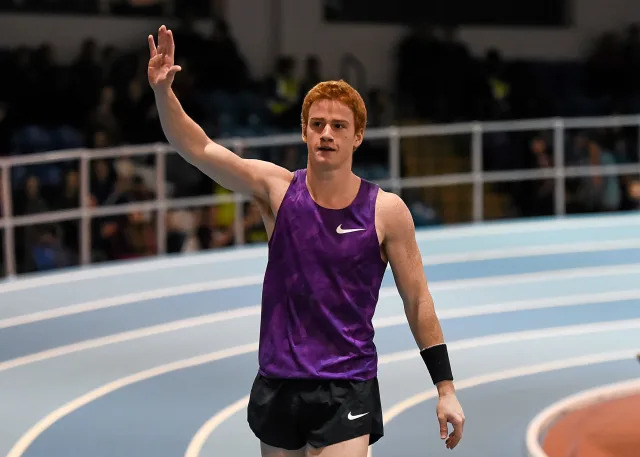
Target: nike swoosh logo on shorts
351, 417
341, 231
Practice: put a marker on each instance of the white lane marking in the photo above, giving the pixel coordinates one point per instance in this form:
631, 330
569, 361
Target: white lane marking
390, 291
475, 381
400, 407
523, 278
111, 302
25, 441
527, 226
572, 403
130, 267
154, 264
522, 305
130, 336
532, 251
205, 431
32, 434
512, 337
379, 323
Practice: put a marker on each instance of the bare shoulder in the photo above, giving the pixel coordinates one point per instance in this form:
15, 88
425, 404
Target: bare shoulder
393, 217
270, 173
274, 179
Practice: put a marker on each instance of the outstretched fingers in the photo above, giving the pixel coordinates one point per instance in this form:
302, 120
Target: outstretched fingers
162, 40
171, 45
152, 47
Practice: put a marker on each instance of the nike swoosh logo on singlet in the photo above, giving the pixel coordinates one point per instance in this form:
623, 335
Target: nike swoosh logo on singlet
341, 231
352, 417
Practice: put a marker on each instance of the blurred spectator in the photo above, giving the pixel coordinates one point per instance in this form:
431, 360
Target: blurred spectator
102, 99
598, 192
312, 75
46, 252
85, 80
210, 233
633, 194
537, 198
101, 184
283, 92
498, 84
128, 237
254, 231
33, 202
69, 198
103, 119
418, 80
221, 49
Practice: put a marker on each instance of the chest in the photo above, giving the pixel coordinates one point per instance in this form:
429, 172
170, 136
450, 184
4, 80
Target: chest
331, 236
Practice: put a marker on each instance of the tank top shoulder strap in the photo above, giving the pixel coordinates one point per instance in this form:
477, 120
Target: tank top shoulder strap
367, 195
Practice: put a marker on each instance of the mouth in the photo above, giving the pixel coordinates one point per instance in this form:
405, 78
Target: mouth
325, 149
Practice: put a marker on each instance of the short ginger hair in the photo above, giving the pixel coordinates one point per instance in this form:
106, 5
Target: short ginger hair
342, 92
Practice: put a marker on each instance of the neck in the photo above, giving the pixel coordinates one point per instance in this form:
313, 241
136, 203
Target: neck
332, 188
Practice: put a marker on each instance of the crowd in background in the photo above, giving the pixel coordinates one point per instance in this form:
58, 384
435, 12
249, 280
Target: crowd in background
102, 99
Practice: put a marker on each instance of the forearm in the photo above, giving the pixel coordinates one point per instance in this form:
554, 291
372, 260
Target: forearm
424, 322
181, 131
427, 331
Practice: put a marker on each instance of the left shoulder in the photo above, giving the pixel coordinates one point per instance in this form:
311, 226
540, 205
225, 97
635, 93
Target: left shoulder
392, 215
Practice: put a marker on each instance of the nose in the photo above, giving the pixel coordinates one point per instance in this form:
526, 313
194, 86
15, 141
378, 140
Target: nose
326, 133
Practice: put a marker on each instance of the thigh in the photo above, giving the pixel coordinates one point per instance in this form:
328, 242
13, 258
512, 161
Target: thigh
356, 447
270, 451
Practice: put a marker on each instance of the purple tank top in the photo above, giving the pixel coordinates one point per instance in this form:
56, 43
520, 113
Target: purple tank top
321, 288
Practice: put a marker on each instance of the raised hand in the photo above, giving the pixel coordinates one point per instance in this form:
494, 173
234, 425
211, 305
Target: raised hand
161, 70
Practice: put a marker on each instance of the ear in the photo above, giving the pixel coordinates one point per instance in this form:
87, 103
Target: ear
304, 133
358, 140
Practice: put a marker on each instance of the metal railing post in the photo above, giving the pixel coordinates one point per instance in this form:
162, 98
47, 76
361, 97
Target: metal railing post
85, 204
161, 199
476, 169
558, 158
9, 243
394, 160
238, 218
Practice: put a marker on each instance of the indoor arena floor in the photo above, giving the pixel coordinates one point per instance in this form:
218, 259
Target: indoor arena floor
157, 357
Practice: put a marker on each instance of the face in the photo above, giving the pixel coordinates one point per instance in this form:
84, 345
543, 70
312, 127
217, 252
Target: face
330, 135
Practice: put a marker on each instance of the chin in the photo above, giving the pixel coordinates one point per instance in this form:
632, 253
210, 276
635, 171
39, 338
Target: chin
325, 164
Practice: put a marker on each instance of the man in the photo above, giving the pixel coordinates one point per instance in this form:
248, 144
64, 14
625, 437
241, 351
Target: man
331, 235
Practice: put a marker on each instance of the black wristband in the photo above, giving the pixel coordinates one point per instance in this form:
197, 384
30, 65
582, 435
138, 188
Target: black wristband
436, 358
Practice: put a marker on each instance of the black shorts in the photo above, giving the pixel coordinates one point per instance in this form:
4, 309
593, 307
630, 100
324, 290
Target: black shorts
289, 413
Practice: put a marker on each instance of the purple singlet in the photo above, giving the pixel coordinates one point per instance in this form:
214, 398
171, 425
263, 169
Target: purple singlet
321, 288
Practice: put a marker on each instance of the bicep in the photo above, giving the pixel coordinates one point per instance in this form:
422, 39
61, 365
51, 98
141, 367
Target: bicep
403, 253
249, 176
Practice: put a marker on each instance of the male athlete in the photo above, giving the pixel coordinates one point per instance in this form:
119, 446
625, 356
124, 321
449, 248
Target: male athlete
331, 235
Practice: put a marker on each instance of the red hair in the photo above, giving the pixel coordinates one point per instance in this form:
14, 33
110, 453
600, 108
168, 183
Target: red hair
340, 91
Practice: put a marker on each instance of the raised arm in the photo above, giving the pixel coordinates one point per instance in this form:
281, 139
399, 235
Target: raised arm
189, 139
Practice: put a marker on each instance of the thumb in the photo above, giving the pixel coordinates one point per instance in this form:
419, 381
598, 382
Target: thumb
173, 70
443, 427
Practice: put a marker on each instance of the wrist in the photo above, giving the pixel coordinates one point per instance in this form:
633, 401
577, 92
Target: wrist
161, 91
445, 388
436, 358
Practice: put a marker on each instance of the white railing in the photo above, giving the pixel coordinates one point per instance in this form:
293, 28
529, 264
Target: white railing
477, 177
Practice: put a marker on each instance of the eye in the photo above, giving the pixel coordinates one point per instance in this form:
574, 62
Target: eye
339, 126
316, 123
